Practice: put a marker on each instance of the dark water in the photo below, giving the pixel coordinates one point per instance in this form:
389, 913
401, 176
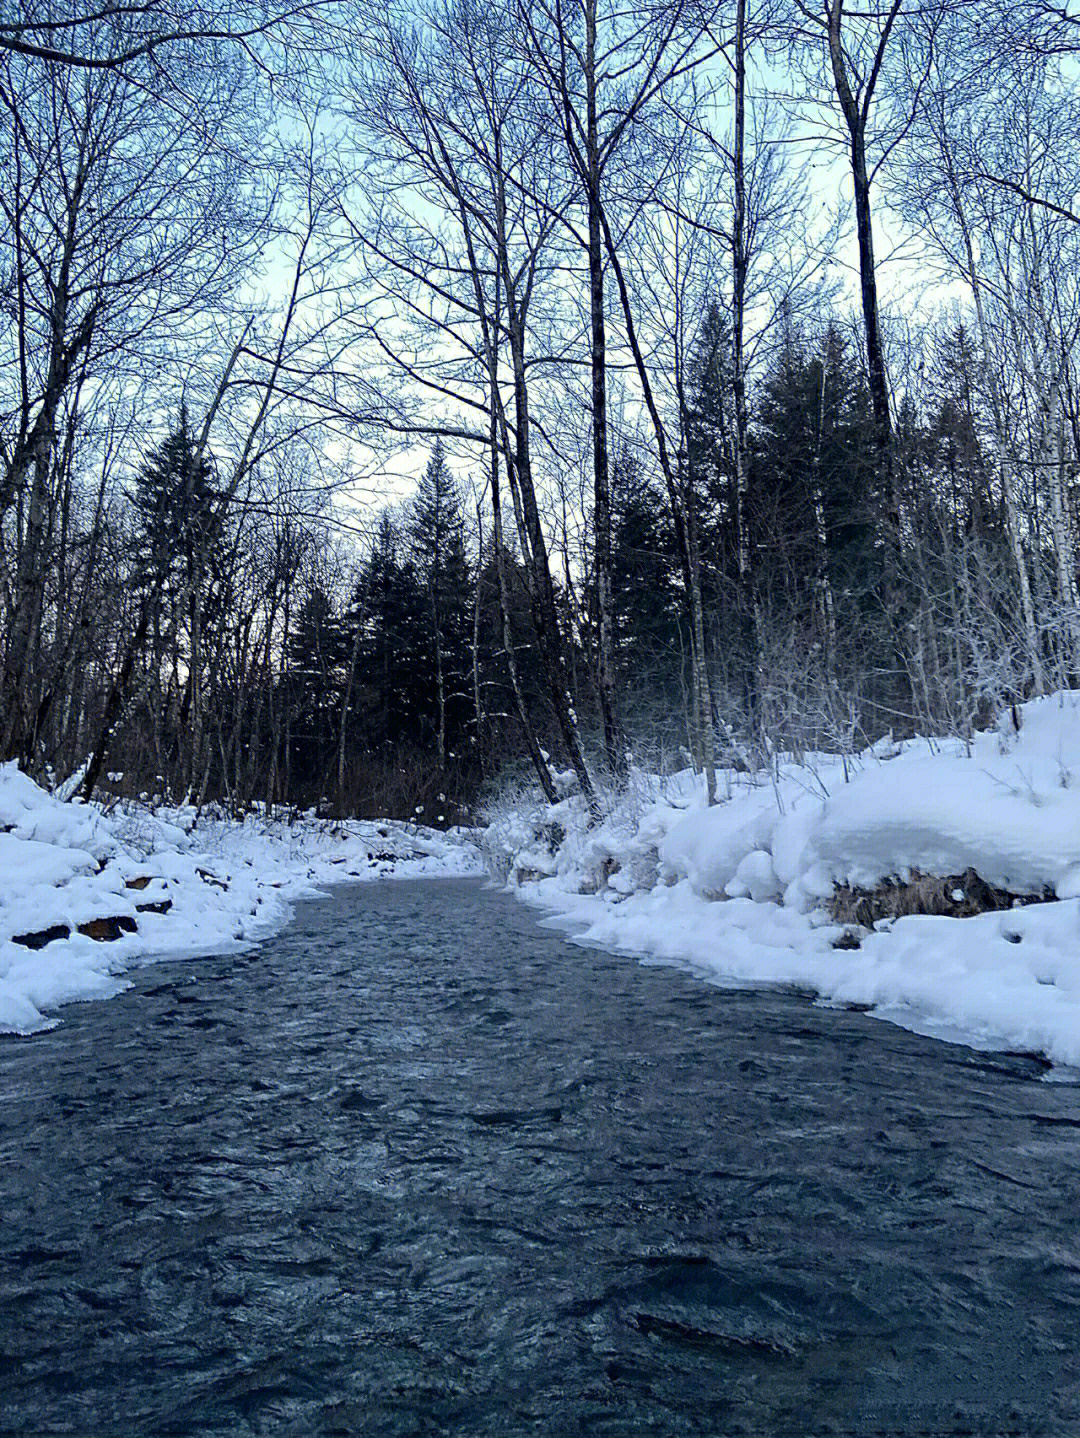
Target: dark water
418, 1165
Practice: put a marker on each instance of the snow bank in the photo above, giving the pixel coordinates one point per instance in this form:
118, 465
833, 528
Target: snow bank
172, 883
738, 891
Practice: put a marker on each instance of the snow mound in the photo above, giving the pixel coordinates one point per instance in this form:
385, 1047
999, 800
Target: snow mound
83, 895
738, 890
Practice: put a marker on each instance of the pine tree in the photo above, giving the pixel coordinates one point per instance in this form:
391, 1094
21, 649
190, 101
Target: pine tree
721, 540
179, 541
177, 522
435, 533
646, 592
708, 440
176, 506
816, 501
317, 662
394, 695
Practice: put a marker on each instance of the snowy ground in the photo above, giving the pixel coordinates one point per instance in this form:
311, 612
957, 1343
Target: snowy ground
214, 884
737, 891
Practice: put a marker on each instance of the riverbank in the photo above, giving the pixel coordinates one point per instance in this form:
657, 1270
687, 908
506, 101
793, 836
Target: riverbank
86, 893
783, 880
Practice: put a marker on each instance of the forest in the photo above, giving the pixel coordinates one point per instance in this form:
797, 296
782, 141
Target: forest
402, 401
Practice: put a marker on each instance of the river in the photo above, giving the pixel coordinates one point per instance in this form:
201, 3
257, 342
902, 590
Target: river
418, 1164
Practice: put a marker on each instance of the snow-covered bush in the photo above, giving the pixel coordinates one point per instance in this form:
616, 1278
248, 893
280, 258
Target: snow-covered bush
1002, 806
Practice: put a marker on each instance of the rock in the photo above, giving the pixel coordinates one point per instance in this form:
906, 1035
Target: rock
959, 896
525, 875
42, 937
107, 930
211, 879
161, 907
849, 939
140, 883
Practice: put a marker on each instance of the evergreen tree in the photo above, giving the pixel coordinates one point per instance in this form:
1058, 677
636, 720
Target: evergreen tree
176, 508
646, 591
435, 534
648, 601
181, 549
708, 439
824, 534
961, 471
394, 696
317, 662
814, 501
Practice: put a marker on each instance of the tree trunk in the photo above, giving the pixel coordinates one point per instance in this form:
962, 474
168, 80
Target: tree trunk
739, 269
478, 704
614, 744
541, 586
855, 110
532, 744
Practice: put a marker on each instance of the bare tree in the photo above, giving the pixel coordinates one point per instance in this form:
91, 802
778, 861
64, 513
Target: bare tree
462, 206
115, 36
607, 74
876, 62
117, 227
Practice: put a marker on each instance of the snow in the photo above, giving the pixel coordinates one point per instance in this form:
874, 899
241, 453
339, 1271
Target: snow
227, 884
737, 891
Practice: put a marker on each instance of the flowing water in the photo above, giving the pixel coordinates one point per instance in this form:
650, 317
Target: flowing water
419, 1165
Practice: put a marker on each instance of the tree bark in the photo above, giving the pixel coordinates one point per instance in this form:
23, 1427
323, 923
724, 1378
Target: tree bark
739, 270
614, 743
855, 111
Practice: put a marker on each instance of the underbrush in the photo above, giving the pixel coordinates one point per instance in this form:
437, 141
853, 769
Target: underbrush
959, 896
936, 826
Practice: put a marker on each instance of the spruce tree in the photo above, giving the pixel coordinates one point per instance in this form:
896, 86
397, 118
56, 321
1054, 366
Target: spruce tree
646, 594
176, 506
435, 533
394, 695
317, 663
819, 509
